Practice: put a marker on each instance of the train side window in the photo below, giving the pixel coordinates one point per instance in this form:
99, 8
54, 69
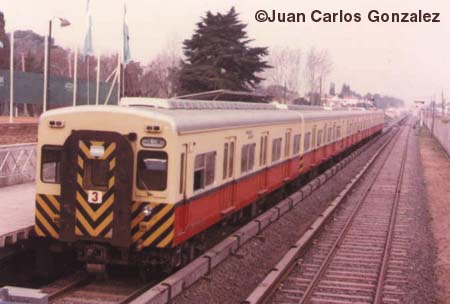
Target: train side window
231, 162
152, 170
248, 157
287, 143
319, 138
263, 152
297, 140
276, 149
204, 171
307, 142
51, 164
225, 161
182, 164
251, 157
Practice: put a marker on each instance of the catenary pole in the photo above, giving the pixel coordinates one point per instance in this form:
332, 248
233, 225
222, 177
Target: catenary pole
11, 79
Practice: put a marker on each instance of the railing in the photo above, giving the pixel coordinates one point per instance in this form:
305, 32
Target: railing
17, 164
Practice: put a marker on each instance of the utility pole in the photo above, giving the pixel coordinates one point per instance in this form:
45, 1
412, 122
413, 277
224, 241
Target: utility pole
432, 116
320, 91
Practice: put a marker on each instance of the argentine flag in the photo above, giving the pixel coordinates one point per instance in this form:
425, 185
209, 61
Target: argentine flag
126, 39
88, 48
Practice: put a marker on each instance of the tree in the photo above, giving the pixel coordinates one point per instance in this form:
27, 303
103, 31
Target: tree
332, 89
318, 67
218, 56
285, 73
346, 91
133, 75
161, 76
4, 51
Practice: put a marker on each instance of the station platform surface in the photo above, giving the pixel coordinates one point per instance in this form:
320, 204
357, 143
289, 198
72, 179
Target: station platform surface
17, 208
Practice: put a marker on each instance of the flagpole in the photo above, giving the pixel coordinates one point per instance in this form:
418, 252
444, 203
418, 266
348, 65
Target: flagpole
44, 107
75, 75
11, 79
98, 79
88, 86
88, 49
119, 78
124, 33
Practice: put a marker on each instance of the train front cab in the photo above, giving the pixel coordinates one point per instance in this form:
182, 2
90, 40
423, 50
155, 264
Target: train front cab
96, 193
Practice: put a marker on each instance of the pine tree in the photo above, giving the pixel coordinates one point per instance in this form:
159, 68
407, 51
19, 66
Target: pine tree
332, 89
218, 56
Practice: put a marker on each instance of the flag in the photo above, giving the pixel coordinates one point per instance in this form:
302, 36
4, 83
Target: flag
88, 48
126, 38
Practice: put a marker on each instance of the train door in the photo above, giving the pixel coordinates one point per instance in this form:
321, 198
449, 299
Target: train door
287, 153
314, 134
228, 173
263, 142
313, 145
96, 185
182, 187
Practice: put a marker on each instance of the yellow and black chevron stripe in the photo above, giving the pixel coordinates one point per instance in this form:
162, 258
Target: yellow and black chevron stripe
95, 220
300, 164
154, 230
47, 215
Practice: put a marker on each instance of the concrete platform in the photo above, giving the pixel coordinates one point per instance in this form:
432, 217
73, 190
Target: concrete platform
11, 294
16, 212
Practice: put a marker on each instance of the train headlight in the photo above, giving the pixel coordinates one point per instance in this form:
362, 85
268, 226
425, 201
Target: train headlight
147, 210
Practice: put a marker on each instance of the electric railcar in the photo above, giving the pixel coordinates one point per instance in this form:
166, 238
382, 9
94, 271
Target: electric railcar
139, 182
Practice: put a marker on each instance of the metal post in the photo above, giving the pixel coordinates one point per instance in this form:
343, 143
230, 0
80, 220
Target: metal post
432, 118
44, 107
119, 77
75, 76
11, 79
49, 50
98, 79
320, 91
88, 93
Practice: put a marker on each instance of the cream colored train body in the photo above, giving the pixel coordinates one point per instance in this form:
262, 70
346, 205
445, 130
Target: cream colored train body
137, 183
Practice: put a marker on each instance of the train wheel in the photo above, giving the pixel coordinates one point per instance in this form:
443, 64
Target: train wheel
187, 252
145, 273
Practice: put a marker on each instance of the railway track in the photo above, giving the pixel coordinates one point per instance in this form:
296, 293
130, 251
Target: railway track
360, 255
84, 288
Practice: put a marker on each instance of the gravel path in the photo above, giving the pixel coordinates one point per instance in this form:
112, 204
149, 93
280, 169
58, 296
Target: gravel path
437, 181
234, 279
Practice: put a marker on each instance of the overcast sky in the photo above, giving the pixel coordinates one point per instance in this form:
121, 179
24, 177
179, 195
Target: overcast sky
410, 61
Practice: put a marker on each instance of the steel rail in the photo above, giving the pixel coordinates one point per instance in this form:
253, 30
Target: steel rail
392, 220
324, 266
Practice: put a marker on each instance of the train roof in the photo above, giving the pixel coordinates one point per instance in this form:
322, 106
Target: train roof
194, 116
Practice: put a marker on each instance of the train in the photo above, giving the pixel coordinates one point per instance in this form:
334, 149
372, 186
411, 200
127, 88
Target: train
140, 183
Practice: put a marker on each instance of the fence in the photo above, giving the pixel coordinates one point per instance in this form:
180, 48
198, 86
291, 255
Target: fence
440, 127
29, 89
17, 164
